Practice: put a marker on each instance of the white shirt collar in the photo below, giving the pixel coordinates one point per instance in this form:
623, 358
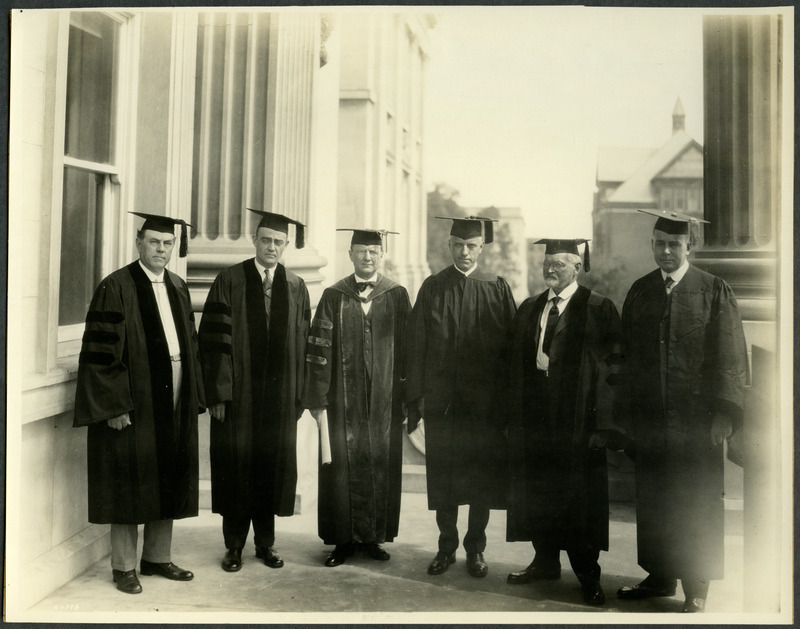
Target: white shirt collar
374, 278
153, 277
474, 266
262, 269
568, 292
678, 274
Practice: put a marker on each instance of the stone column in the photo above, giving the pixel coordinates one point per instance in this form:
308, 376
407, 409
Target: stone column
253, 138
742, 178
742, 68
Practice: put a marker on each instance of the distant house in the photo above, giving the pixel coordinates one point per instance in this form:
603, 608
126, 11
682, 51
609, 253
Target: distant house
668, 178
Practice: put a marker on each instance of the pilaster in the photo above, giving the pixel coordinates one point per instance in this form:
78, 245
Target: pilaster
743, 58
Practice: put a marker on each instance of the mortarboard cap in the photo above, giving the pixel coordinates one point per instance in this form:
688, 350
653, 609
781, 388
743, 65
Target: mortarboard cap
471, 227
567, 245
368, 236
672, 222
165, 224
281, 223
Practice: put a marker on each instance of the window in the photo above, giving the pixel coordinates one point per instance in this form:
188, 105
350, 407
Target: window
90, 196
680, 198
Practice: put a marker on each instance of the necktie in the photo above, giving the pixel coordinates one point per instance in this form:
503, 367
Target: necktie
668, 282
267, 292
362, 286
550, 326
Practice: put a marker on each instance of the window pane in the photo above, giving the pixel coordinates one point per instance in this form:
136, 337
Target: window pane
81, 243
90, 87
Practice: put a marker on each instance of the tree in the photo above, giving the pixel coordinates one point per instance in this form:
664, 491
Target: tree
502, 257
441, 202
610, 277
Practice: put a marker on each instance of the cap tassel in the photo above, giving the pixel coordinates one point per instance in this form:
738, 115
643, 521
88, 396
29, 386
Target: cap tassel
299, 236
488, 230
586, 266
184, 246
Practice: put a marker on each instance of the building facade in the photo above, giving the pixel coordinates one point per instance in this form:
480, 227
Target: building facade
196, 115
628, 179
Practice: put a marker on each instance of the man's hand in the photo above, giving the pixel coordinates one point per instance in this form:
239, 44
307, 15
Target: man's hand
611, 439
416, 409
598, 440
316, 413
119, 422
217, 411
721, 428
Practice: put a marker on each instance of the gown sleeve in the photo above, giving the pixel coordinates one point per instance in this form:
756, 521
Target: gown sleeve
607, 378
216, 343
319, 353
416, 340
728, 351
301, 340
103, 387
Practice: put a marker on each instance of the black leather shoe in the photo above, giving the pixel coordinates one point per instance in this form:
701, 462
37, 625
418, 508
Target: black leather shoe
167, 570
270, 557
644, 590
476, 566
338, 555
441, 562
592, 593
694, 606
233, 560
127, 581
376, 552
532, 573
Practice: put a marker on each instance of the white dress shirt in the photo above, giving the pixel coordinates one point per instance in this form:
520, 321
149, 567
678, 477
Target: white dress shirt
164, 310
467, 273
365, 305
676, 275
262, 270
542, 359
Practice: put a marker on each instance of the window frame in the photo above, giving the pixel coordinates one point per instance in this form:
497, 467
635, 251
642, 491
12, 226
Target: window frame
64, 340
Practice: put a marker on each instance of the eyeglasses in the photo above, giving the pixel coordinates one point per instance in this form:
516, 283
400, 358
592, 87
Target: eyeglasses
558, 266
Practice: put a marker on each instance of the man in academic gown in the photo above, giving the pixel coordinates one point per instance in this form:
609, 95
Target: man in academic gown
354, 369
252, 343
456, 337
686, 363
564, 354
139, 391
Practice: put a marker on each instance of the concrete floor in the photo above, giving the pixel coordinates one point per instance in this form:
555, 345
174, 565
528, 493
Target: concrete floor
364, 590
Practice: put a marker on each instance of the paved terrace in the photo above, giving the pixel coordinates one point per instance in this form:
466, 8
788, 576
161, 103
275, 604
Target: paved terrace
364, 590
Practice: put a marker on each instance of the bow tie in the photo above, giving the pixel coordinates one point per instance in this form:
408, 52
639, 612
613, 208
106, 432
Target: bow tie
362, 286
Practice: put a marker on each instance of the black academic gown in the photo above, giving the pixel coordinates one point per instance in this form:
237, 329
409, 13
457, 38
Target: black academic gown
149, 470
559, 487
354, 368
456, 337
686, 359
258, 372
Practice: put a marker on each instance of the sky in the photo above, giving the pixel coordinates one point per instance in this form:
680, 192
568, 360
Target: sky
519, 99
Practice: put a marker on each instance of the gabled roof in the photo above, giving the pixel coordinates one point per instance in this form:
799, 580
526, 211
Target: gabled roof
615, 165
637, 188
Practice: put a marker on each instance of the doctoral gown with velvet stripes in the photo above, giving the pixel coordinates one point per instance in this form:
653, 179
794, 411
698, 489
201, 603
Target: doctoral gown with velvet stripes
687, 360
456, 340
559, 486
354, 367
148, 470
256, 368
